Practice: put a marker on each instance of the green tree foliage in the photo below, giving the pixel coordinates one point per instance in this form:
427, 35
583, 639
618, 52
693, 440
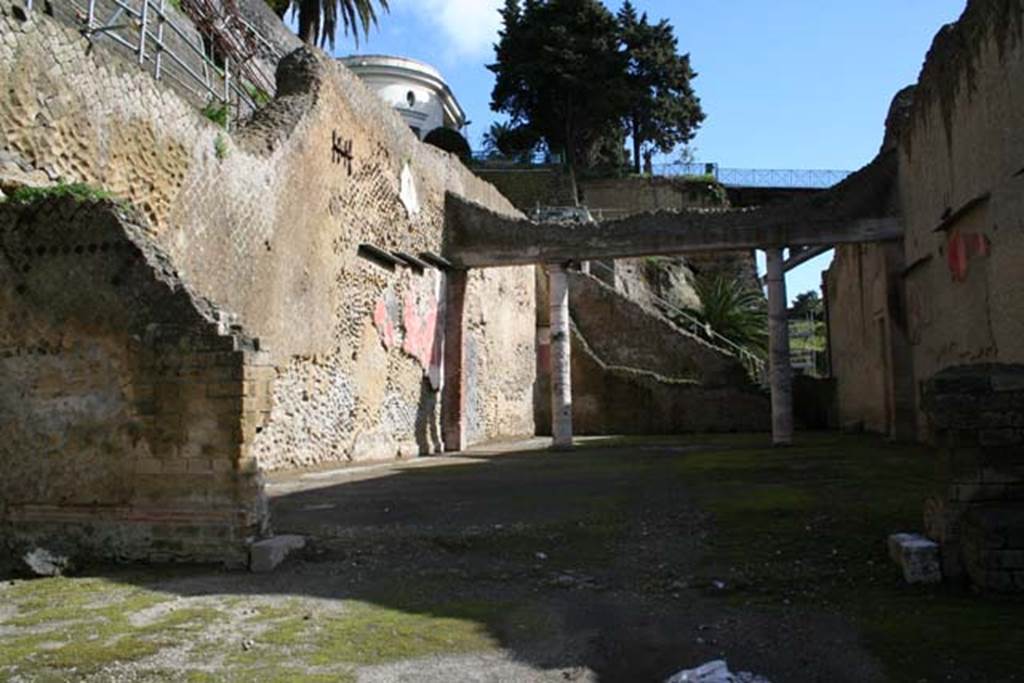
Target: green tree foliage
318, 19
506, 140
584, 79
560, 71
663, 110
807, 305
731, 309
450, 141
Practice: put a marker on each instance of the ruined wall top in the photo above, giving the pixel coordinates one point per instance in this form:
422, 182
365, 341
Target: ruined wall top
952, 62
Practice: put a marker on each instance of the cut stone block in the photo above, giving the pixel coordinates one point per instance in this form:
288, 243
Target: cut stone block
266, 555
917, 556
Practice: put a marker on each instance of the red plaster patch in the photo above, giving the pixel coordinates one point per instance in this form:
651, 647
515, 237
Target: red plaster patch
420, 328
961, 248
385, 328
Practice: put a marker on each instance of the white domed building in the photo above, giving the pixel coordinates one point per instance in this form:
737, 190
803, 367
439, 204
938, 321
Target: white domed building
415, 89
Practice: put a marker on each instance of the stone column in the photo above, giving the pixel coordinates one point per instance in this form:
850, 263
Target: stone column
778, 350
561, 373
453, 390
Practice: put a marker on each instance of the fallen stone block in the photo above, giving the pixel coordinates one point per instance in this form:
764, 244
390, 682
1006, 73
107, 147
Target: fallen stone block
266, 555
42, 562
715, 672
917, 556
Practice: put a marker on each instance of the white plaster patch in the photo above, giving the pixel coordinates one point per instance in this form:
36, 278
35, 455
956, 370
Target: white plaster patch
410, 198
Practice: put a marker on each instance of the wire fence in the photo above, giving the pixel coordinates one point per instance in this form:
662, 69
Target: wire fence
210, 67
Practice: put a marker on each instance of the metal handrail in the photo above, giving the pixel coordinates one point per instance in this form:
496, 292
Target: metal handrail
754, 365
150, 47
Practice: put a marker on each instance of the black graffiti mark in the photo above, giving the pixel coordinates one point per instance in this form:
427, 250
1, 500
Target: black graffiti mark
341, 151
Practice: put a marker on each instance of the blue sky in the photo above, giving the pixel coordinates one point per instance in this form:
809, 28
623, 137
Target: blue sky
801, 84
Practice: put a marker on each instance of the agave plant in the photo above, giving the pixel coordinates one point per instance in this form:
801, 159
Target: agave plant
731, 309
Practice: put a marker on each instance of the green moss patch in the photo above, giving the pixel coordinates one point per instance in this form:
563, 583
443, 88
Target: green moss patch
369, 634
78, 191
85, 625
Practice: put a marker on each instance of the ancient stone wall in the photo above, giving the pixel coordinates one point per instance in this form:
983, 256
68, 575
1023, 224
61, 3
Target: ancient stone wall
655, 380
954, 294
867, 340
266, 222
528, 188
615, 198
962, 188
129, 405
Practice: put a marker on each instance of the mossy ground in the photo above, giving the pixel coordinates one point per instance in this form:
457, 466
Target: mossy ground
644, 528
807, 526
87, 628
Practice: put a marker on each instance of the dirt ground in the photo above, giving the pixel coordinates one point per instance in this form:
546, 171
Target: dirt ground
625, 560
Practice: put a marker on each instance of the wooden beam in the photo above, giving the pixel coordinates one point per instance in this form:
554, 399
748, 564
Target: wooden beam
476, 237
803, 256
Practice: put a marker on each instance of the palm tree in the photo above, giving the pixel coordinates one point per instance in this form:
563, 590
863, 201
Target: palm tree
496, 139
733, 310
318, 19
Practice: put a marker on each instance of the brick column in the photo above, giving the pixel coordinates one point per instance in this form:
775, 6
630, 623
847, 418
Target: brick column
453, 395
976, 419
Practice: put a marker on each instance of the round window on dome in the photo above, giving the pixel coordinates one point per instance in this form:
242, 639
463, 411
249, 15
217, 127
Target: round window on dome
410, 97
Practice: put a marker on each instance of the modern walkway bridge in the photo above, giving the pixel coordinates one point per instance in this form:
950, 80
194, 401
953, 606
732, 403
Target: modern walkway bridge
859, 209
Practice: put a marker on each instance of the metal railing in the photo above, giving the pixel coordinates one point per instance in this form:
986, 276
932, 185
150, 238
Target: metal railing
811, 179
754, 177
755, 366
145, 29
534, 159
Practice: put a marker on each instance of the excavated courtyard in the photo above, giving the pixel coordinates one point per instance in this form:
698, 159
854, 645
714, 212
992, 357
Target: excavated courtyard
626, 560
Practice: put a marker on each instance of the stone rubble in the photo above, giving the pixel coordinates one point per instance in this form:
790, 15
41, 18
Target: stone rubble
715, 672
917, 556
42, 562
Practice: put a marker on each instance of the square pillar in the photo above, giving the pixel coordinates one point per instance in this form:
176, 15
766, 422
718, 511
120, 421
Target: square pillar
453, 395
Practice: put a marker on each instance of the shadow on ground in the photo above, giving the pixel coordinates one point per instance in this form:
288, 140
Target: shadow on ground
623, 561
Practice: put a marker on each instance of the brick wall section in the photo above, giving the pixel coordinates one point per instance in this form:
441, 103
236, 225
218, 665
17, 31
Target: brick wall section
129, 405
976, 414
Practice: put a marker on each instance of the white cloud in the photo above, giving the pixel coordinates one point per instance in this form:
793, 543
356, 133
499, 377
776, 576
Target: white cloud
468, 27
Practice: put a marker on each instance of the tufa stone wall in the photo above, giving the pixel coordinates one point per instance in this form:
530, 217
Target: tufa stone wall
265, 222
867, 340
527, 188
655, 380
954, 293
962, 193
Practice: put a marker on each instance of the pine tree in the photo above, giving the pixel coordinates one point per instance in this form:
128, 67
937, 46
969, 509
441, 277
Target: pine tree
560, 71
663, 111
